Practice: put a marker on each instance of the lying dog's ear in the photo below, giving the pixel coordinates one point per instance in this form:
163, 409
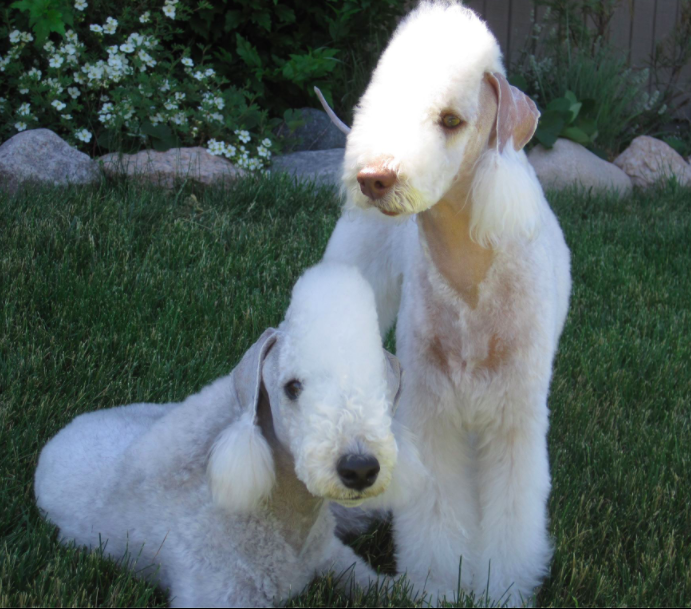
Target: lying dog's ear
505, 192
393, 378
241, 468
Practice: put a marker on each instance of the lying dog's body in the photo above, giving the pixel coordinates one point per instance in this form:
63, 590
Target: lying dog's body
223, 498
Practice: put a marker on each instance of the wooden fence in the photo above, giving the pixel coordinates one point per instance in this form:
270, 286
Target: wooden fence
635, 29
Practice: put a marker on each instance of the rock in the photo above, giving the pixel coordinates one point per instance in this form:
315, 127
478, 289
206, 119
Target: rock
648, 159
318, 133
568, 163
322, 166
166, 168
43, 157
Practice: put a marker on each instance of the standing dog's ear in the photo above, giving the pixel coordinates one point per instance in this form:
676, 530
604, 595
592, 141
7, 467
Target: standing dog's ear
517, 114
505, 191
241, 468
393, 378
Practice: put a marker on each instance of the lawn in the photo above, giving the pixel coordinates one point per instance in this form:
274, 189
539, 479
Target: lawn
119, 294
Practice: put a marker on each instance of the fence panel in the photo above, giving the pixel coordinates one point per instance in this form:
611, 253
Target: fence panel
635, 29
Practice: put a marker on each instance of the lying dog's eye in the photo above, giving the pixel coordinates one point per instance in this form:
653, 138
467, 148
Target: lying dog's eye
451, 121
293, 389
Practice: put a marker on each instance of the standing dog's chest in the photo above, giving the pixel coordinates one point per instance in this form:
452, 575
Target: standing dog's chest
465, 344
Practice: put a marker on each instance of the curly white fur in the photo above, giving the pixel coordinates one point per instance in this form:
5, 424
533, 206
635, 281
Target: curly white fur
476, 271
241, 467
228, 490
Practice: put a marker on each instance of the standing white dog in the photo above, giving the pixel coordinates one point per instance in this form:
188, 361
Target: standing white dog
228, 490
478, 264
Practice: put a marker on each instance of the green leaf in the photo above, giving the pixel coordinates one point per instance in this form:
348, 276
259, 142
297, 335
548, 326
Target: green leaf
576, 135
233, 20
104, 140
560, 105
518, 81
224, 56
22, 5
262, 19
247, 52
549, 128
678, 144
285, 14
571, 97
588, 126
574, 110
157, 132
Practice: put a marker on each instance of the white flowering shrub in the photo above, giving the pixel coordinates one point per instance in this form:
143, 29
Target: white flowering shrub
120, 85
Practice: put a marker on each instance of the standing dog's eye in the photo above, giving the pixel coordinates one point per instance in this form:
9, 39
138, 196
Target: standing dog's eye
451, 121
293, 389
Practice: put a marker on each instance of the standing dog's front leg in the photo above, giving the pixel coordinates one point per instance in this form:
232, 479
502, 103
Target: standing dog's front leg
513, 474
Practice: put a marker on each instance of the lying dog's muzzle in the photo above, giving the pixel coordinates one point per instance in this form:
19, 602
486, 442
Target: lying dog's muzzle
358, 472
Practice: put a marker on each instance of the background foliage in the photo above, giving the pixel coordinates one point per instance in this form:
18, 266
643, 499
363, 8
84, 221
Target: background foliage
569, 54
265, 57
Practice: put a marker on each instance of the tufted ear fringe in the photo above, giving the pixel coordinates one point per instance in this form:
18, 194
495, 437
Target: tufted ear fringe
505, 191
241, 469
506, 196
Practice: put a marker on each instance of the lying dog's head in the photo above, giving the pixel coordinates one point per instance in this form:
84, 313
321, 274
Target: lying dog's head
328, 387
439, 115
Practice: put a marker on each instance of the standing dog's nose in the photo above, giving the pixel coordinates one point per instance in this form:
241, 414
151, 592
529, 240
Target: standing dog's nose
358, 471
375, 182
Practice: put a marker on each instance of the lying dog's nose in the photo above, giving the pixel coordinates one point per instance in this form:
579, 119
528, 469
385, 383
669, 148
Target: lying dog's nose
376, 182
358, 471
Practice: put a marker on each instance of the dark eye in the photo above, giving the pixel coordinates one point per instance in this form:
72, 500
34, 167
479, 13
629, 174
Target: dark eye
293, 389
451, 121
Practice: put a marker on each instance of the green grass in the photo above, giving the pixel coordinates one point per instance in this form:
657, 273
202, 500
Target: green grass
117, 294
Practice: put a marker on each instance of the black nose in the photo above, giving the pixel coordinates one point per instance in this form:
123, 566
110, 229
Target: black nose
358, 471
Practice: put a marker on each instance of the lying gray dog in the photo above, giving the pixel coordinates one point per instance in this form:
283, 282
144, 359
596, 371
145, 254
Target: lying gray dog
228, 490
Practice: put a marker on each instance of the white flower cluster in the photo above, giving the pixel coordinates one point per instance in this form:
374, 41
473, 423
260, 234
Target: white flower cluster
66, 79
221, 149
67, 53
147, 60
55, 86
169, 8
243, 136
16, 37
239, 154
199, 75
84, 135
105, 114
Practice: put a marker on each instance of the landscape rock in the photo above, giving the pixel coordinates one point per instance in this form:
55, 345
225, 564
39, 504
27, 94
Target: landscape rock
648, 159
568, 164
43, 157
167, 168
318, 133
321, 166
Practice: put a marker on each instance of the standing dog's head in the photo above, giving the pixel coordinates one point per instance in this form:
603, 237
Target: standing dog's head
439, 116
326, 387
